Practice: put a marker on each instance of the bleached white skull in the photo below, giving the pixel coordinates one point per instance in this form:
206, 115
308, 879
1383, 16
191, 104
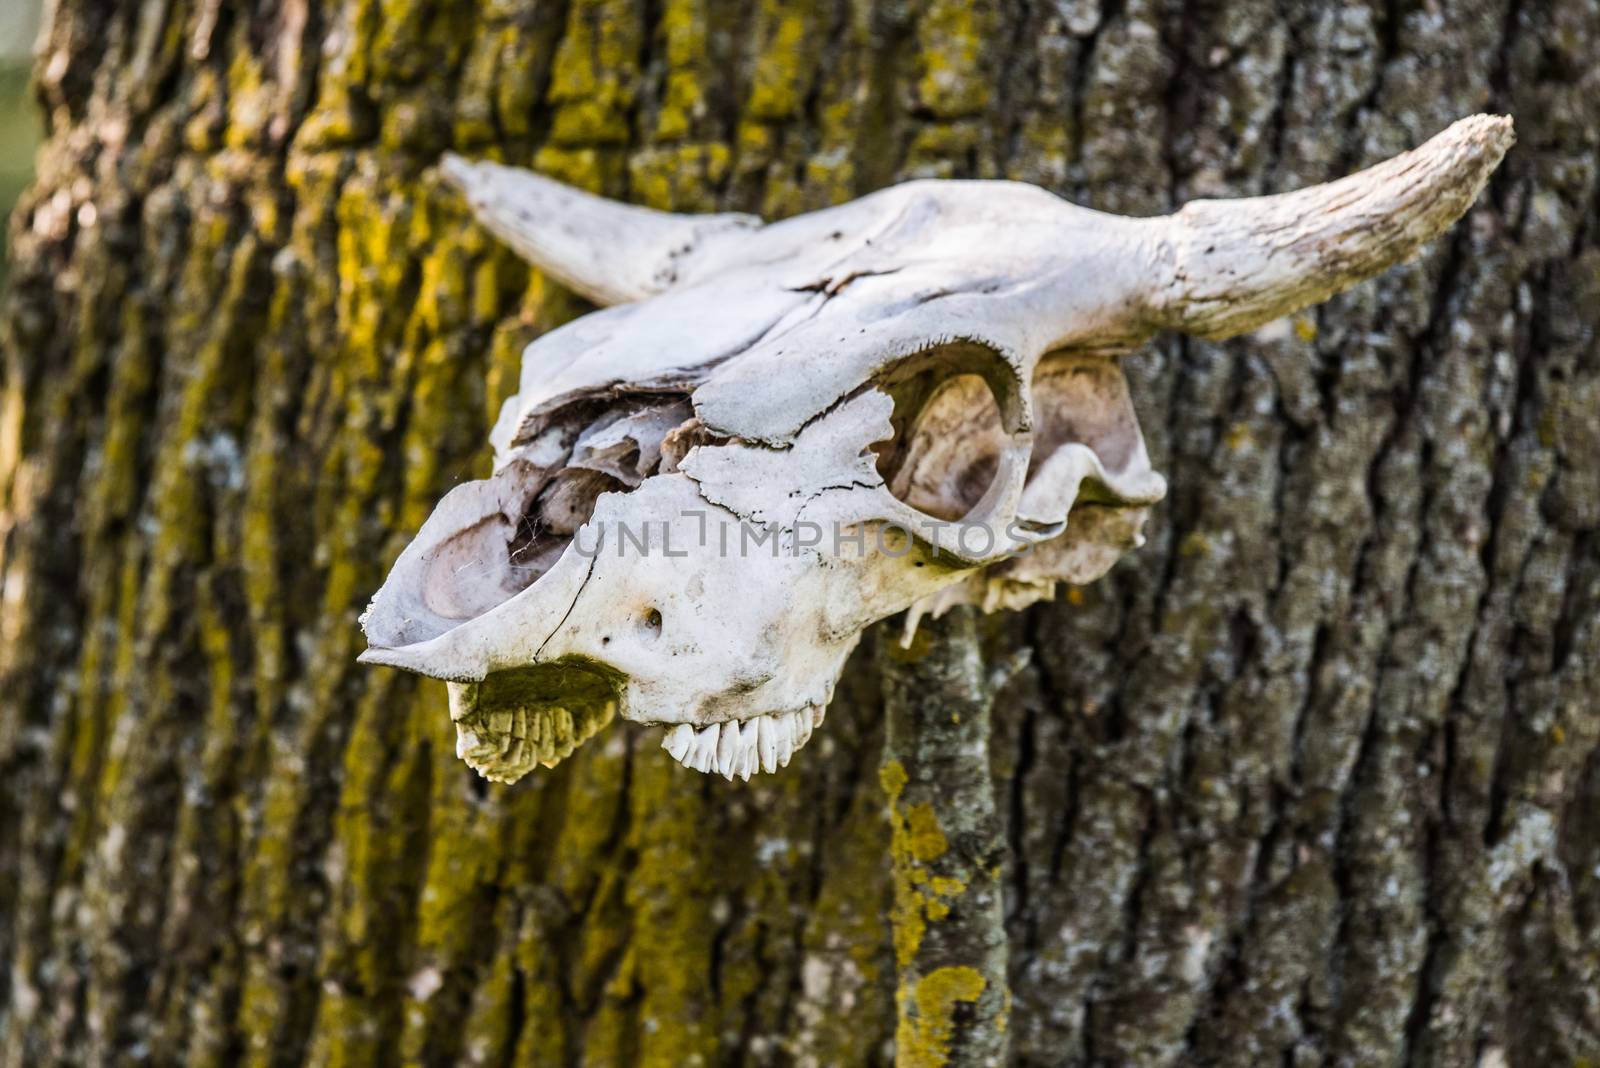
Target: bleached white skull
779, 434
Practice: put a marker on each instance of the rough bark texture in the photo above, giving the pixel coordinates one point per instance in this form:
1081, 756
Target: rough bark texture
1311, 780
946, 847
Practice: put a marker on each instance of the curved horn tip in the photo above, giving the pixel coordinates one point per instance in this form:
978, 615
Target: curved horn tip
458, 172
1236, 264
1495, 132
1479, 142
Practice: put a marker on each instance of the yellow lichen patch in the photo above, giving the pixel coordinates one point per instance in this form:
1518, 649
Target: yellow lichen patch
952, 82
916, 839
679, 177
670, 896
250, 99
683, 27
475, 100
892, 777
586, 167
1195, 544
923, 836
592, 82
936, 149
777, 85
927, 1015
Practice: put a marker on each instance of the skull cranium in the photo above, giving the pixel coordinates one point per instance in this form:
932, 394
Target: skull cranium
776, 435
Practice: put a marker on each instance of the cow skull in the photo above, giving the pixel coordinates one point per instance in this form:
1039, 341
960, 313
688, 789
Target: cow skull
777, 434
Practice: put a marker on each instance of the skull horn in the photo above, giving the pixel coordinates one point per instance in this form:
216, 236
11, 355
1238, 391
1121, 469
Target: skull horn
608, 251
1236, 264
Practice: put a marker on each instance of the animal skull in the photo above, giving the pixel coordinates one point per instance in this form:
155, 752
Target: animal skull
777, 434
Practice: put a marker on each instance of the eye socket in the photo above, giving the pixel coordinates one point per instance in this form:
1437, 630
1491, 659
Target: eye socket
957, 407
948, 439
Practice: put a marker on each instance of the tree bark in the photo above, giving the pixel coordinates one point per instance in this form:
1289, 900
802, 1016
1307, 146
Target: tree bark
1311, 779
946, 849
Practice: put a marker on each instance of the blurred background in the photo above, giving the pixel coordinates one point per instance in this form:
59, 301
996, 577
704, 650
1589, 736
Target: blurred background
19, 121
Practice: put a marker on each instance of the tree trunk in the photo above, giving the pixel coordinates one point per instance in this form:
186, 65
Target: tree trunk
1303, 782
947, 849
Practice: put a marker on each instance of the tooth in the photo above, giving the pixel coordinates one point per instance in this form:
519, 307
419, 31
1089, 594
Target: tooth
817, 712
741, 764
750, 738
791, 737
727, 750
767, 742
783, 739
802, 728
709, 738
677, 741
746, 755
703, 754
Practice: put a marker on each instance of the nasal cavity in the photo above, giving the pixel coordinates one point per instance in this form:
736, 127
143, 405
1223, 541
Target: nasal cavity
486, 564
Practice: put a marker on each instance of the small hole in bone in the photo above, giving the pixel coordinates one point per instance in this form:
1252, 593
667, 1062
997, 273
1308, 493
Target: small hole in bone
650, 623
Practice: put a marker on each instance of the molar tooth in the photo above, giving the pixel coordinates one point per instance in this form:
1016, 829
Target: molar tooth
677, 741
767, 742
736, 765
817, 712
750, 739
703, 754
802, 727
727, 750
783, 734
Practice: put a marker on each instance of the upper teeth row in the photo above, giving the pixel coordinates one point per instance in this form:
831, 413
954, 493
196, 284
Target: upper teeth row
738, 748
